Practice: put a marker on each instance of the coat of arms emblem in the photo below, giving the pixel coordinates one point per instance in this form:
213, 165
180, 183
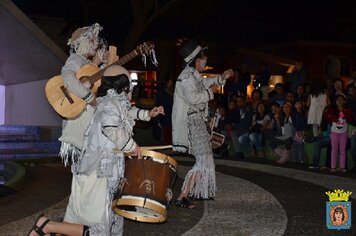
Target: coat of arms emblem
338, 210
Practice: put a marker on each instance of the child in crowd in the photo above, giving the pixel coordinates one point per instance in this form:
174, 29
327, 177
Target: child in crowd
299, 121
317, 101
339, 116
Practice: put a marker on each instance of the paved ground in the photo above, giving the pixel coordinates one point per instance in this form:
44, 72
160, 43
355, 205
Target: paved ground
255, 197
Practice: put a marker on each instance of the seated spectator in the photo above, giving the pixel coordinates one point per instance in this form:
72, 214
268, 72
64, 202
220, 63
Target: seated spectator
245, 119
256, 98
221, 120
273, 128
299, 121
253, 139
232, 117
286, 138
291, 98
280, 96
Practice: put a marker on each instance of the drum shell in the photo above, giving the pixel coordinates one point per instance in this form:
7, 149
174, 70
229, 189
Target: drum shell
148, 178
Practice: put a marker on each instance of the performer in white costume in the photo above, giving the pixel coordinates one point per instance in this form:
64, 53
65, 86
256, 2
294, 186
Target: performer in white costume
86, 48
189, 130
99, 171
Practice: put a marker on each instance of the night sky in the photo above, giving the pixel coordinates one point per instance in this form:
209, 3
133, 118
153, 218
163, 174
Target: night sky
242, 23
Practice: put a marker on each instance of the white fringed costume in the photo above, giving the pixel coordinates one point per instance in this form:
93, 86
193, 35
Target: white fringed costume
189, 131
84, 42
99, 172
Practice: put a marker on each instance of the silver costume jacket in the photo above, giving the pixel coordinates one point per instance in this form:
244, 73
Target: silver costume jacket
191, 94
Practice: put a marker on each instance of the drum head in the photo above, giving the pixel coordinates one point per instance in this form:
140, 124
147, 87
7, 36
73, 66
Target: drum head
140, 209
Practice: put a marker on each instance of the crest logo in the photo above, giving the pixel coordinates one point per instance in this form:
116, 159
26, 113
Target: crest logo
338, 210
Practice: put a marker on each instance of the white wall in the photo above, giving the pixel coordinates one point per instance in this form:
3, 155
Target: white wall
2, 105
26, 104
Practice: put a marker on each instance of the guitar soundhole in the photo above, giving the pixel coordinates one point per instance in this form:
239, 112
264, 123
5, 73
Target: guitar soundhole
66, 94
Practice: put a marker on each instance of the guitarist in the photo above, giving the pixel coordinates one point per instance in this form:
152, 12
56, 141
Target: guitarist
86, 47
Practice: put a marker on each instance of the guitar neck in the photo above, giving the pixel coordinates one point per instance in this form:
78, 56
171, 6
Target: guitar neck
98, 75
126, 58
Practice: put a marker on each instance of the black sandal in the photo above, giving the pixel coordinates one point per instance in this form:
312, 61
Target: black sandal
204, 199
184, 203
39, 229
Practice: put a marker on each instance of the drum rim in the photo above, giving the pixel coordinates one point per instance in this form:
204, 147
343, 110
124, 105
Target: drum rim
161, 156
127, 194
140, 203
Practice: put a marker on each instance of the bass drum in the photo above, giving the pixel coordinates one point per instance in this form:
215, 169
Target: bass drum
147, 189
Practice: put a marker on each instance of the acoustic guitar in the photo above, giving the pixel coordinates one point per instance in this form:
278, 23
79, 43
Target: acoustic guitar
65, 103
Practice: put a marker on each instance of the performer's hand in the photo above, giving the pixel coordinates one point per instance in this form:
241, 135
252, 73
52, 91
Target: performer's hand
137, 152
214, 88
93, 102
156, 111
227, 74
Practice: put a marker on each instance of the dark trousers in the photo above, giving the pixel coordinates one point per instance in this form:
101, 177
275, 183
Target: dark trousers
322, 142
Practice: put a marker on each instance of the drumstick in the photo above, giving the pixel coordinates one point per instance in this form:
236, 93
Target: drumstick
116, 150
157, 147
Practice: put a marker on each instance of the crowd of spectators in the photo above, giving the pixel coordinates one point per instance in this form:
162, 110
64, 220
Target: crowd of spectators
284, 119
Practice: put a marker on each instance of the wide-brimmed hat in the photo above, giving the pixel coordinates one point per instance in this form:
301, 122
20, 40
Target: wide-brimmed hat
190, 50
84, 33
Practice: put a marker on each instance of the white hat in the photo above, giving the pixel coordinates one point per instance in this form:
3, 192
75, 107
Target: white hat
114, 70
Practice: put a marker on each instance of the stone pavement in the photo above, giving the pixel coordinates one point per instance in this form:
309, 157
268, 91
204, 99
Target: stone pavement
252, 199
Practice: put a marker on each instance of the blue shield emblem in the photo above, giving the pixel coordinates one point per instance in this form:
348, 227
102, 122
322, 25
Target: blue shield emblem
338, 215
